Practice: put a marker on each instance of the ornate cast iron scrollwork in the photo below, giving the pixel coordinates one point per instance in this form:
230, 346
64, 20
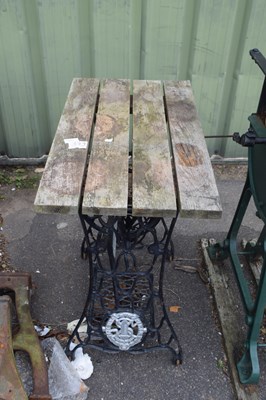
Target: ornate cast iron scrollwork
127, 257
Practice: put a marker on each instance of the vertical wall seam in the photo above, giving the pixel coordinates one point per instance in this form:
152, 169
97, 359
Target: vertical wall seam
84, 38
92, 44
233, 66
191, 19
143, 37
38, 76
135, 39
3, 144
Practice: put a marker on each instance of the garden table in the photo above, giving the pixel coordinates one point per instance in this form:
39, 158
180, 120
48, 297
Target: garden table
128, 157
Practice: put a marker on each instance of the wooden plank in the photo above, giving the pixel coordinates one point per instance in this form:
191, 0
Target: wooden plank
198, 193
227, 309
153, 184
106, 188
60, 187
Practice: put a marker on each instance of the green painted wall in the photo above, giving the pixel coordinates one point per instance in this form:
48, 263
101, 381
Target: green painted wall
45, 43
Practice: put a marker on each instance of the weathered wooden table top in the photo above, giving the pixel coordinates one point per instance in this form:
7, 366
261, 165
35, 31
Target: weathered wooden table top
121, 142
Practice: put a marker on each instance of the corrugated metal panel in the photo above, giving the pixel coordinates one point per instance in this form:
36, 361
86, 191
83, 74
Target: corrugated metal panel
45, 43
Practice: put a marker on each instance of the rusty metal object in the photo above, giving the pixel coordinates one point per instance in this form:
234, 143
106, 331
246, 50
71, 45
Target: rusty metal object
25, 339
11, 387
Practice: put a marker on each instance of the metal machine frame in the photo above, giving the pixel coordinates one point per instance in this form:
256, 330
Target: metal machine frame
255, 140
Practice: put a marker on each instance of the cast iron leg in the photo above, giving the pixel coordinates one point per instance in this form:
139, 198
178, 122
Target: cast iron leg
248, 366
126, 256
231, 245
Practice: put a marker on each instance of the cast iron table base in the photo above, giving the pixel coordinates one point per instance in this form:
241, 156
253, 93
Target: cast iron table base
125, 309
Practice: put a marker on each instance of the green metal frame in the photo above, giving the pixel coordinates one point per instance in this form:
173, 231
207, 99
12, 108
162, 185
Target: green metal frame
255, 186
